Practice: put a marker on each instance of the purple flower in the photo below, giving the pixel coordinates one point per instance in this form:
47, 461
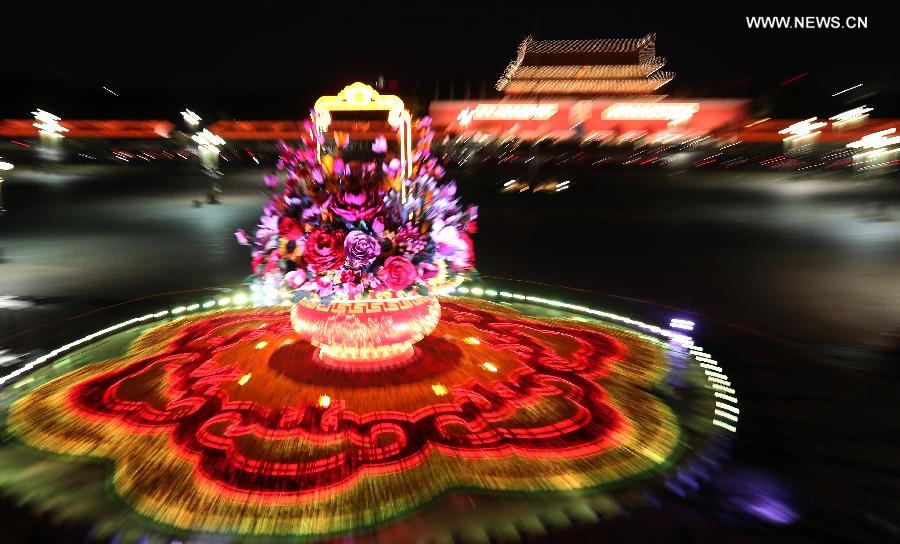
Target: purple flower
447, 191
409, 241
271, 180
360, 249
379, 145
448, 240
242, 237
268, 228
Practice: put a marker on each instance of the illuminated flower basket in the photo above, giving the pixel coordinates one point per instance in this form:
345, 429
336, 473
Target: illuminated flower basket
372, 333
360, 247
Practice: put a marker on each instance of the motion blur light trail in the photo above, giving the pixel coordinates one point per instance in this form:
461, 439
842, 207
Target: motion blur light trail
223, 422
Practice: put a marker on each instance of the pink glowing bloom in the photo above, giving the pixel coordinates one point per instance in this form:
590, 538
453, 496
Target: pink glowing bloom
242, 237
447, 238
271, 180
379, 145
309, 156
353, 207
464, 260
272, 262
257, 258
295, 278
325, 286
427, 271
378, 225
392, 168
447, 191
352, 289
409, 241
340, 168
268, 227
398, 273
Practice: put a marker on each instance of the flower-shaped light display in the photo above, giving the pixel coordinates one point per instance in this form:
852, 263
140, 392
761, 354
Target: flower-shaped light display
225, 423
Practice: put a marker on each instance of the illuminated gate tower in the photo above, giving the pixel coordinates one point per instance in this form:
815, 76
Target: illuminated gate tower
586, 68
604, 90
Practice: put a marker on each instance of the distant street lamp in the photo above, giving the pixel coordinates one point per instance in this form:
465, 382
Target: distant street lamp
851, 118
4, 166
802, 134
208, 145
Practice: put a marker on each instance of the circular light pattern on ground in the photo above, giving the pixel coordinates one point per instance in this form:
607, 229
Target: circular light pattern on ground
225, 423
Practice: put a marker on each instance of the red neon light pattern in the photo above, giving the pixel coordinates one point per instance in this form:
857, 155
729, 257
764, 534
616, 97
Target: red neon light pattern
560, 406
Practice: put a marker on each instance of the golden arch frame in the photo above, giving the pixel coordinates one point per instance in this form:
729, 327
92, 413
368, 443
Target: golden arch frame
361, 97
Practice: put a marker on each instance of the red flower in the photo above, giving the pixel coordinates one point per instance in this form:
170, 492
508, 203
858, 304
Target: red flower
324, 250
272, 262
398, 273
257, 260
467, 261
289, 228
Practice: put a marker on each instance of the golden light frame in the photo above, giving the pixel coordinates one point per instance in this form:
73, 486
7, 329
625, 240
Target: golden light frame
361, 97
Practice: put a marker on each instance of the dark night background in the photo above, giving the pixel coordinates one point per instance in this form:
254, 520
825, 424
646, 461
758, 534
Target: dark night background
268, 59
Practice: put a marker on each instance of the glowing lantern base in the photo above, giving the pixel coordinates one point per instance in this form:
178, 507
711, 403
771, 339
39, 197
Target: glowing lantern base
366, 334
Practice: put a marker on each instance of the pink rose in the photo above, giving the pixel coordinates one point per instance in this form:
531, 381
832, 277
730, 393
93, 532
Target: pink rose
398, 273
427, 270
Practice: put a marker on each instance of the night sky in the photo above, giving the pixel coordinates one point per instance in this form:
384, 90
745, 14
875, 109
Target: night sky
265, 60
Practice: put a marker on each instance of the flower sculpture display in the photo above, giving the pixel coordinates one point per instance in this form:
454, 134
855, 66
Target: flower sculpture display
360, 247
211, 421
222, 424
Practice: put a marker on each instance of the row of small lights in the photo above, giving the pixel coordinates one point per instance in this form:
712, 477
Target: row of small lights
725, 414
239, 299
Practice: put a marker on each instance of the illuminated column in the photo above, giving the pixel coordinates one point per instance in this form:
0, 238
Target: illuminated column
877, 149
851, 118
191, 119
48, 127
4, 166
801, 135
208, 145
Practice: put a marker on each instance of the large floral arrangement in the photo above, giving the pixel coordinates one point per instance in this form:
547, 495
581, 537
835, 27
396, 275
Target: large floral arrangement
342, 229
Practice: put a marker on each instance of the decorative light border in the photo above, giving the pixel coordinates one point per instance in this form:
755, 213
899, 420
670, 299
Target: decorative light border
361, 97
725, 414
